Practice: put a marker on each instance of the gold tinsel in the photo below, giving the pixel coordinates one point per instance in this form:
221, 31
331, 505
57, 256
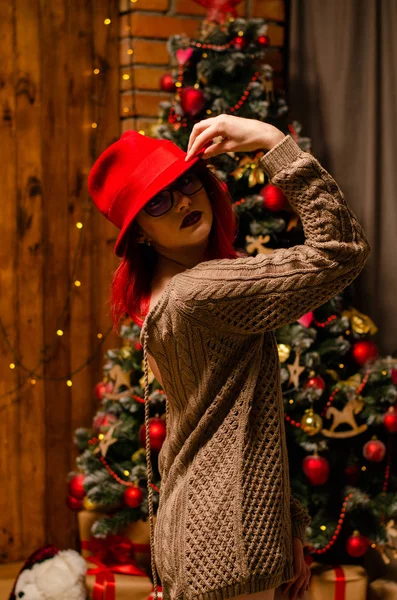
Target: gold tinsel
283, 352
360, 323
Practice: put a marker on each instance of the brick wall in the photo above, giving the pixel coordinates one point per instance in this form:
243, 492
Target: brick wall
146, 25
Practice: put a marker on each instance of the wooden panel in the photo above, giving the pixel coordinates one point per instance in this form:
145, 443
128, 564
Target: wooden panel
54, 126
30, 274
10, 522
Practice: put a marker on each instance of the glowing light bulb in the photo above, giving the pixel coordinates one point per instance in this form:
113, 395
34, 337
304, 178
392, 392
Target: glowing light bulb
96, 71
69, 383
77, 283
126, 76
12, 366
107, 21
79, 225
94, 125
59, 332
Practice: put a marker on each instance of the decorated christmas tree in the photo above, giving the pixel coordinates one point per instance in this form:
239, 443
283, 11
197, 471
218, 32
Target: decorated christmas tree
339, 395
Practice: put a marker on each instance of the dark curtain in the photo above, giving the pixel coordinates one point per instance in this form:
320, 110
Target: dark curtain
343, 90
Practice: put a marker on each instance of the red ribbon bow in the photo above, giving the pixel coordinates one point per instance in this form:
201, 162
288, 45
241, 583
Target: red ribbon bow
113, 554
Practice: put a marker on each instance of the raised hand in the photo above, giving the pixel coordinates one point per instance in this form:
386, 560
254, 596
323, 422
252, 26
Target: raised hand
238, 135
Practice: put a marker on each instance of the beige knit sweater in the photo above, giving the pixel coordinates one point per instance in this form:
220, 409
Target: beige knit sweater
226, 518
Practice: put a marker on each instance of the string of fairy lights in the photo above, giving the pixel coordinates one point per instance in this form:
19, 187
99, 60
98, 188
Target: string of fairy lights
47, 353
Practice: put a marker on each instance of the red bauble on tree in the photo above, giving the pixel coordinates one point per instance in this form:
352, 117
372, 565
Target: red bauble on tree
274, 198
74, 503
316, 383
263, 40
239, 42
167, 83
390, 419
192, 101
102, 388
76, 486
133, 496
316, 469
357, 545
364, 351
157, 433
374, 450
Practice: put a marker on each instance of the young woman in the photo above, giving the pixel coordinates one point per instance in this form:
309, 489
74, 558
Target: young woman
227, 525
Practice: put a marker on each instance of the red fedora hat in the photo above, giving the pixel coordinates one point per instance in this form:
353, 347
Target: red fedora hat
130, 172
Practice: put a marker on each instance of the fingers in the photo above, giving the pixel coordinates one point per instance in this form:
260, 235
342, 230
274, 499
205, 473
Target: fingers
202, 138
198, 128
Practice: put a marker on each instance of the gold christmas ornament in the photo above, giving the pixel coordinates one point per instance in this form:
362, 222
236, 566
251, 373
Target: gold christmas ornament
125, 352
283, 352
251, 165
88, 504
311, 422
360, 323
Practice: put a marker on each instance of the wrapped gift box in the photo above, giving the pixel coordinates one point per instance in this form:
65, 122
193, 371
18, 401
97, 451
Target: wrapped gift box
124, 587
382, 589
138, 533
337, 582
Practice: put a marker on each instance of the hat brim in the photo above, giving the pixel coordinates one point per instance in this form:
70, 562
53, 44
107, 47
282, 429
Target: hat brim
168, 176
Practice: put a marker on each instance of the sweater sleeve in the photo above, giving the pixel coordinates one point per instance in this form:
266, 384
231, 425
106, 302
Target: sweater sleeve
249, 295
300, 519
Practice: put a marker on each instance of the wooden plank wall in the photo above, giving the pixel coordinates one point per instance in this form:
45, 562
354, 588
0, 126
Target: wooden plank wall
146, 25
50, 102
49, 99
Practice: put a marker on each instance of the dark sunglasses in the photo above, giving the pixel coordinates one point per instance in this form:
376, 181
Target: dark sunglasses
162, 202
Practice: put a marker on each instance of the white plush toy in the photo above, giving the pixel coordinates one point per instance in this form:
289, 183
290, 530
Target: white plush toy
52, 574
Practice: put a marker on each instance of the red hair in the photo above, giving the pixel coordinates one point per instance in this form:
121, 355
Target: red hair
131, 284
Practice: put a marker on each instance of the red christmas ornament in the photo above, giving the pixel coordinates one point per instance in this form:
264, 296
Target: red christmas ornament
357, 545
239, 42
316, 469
192, 101
263, 40
138, 346
76, 486
103, 420
351, 473
133, 496
394, 376
183, 55
167, 83
157, 433
102, 388
365, 350
390, 419
317, 383
74, 503
374, 450
274, 198
219, 9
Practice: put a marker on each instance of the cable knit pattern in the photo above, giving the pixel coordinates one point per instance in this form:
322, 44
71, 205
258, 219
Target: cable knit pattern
226, 517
